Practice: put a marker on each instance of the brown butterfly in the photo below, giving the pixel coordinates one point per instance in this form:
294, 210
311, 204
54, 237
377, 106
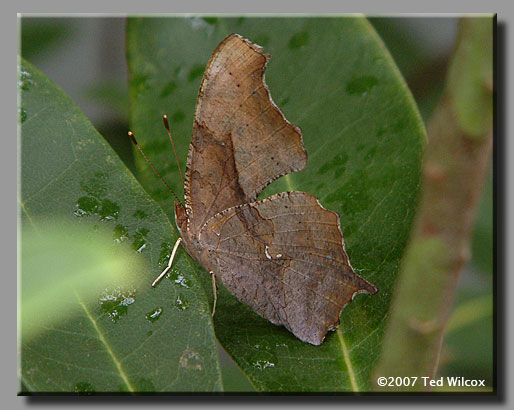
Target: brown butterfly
283, 256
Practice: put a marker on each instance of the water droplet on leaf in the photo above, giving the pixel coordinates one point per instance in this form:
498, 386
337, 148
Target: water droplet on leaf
115, 303
180, 279
263, 364
109, 210
120, 233
25, 81
22, 115
139, 242
181, 303
263, 359
154, 314
86, 206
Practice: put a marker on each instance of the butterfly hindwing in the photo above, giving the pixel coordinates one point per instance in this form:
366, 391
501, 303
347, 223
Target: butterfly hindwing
284, 257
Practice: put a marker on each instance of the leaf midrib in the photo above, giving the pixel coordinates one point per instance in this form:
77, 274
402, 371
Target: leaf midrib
115, 360
348, 362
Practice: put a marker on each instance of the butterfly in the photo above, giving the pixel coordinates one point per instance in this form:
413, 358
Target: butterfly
283, 256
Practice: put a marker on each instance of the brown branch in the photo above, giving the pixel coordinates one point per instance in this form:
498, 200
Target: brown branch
455, 163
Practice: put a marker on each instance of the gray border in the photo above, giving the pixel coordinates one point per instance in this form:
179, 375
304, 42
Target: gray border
393, 7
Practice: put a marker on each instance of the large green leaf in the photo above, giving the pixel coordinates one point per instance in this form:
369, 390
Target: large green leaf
128, 337
364, 137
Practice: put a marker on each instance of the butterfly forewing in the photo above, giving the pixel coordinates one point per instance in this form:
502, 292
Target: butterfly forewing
241, 141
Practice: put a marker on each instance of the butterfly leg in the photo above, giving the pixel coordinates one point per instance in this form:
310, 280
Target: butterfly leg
214, 292
156, 281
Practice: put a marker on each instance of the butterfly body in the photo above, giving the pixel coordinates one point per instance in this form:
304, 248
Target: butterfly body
283, 256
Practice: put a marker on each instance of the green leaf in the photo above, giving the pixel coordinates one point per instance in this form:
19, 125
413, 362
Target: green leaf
127, 337
53, 250
364, 137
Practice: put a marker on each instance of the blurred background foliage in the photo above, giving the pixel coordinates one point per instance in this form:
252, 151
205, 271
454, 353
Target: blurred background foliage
86, 57
47, 287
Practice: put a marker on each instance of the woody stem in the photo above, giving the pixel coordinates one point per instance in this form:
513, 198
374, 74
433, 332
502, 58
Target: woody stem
455, 163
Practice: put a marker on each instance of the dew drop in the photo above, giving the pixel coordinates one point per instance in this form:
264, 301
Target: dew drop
165, 255
86, 206
109, 210
154, 315
181, 303
263, 359
180, 280
120, 233
263, 364
115, 303
22, 115
25, 81
139, 242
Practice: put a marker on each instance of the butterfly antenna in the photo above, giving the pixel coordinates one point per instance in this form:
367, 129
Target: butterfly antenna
133, 139
167, 126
